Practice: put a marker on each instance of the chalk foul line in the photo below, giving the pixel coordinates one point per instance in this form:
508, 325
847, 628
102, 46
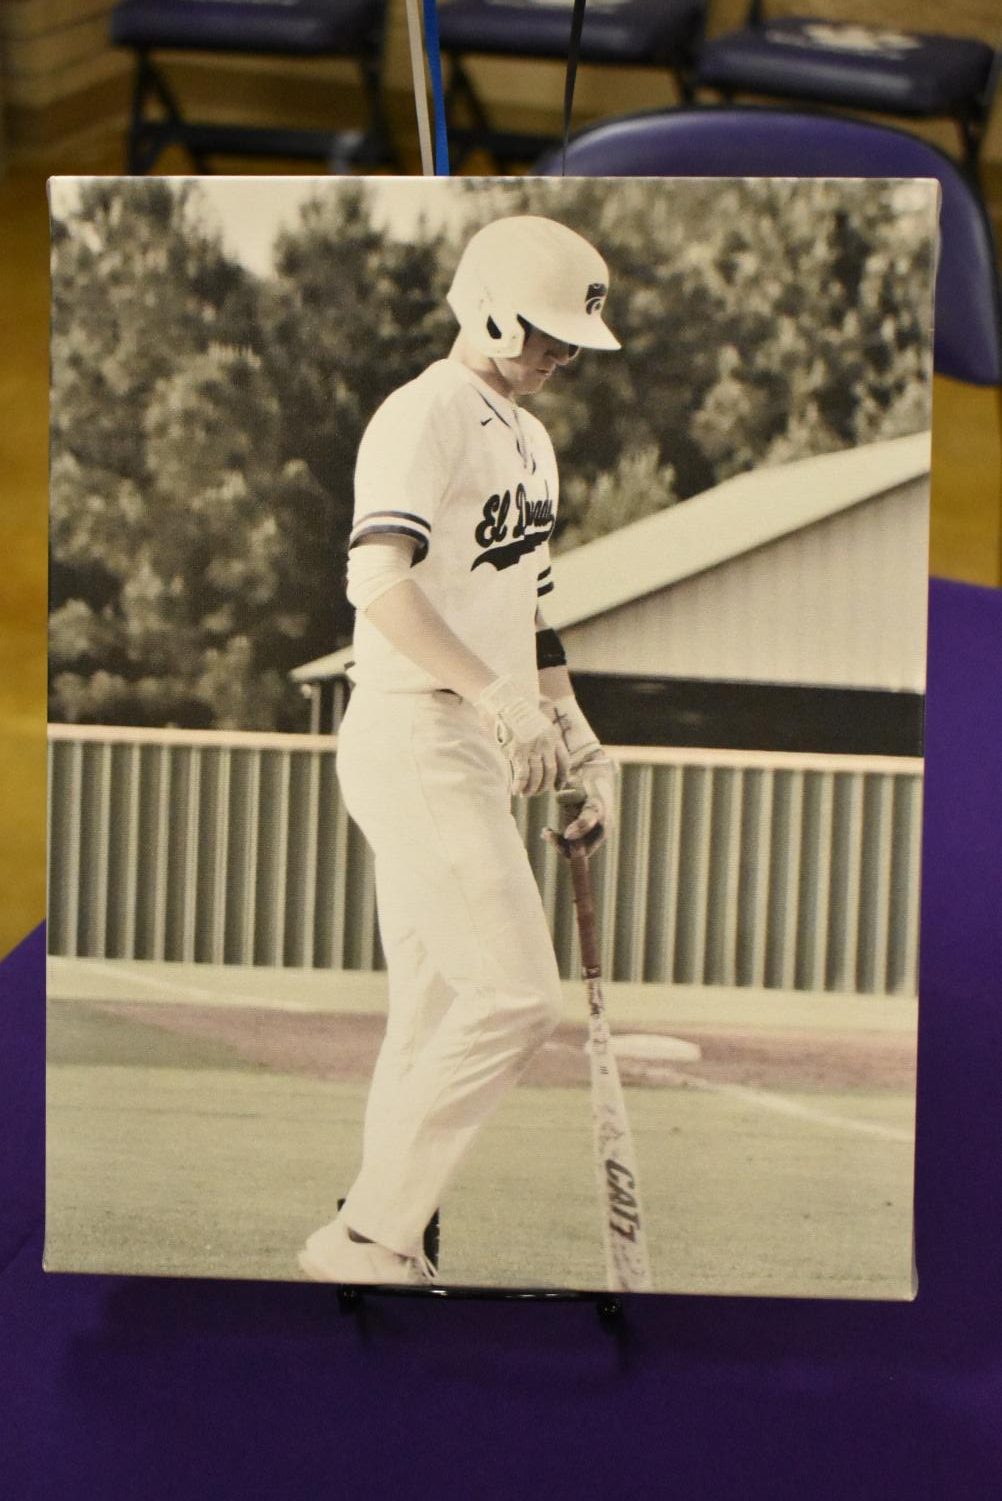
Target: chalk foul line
761, 1099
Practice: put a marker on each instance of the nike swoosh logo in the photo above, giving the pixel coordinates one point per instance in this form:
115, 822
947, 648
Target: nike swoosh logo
484, 421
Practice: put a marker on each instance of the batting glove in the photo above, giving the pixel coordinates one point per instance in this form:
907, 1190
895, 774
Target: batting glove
591, 771
537, 758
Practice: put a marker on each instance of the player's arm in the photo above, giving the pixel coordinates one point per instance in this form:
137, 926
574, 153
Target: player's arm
402, 612
590, 767
379, 584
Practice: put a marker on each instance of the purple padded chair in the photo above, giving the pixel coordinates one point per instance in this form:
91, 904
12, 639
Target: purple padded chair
661, 34
737, 141
877, 69
277, 28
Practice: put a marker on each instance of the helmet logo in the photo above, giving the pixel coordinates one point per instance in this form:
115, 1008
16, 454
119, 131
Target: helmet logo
595, 296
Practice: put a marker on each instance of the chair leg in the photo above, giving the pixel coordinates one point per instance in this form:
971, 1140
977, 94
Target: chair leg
684, 83
142, 148
460, 95
170, 104
973, 123
508, 148
379, 146
135, 119
461, 91
683, 60
972, 135
148, 138
373, 145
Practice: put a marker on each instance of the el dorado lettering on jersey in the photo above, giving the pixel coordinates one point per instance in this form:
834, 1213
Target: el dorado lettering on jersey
624, 1216
531, 522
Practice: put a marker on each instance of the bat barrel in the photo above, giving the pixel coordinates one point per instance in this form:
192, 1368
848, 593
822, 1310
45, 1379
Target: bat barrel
623, 1226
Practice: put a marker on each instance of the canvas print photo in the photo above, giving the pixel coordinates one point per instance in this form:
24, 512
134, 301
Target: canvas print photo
487, 670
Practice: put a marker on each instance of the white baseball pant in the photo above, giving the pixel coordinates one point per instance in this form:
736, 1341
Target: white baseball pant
474, 988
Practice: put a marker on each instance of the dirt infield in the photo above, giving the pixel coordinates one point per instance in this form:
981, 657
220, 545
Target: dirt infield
343, 1049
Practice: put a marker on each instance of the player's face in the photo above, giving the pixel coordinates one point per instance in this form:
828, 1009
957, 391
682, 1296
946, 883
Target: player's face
529, 371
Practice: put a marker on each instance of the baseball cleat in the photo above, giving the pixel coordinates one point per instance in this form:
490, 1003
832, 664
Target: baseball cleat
330, 1255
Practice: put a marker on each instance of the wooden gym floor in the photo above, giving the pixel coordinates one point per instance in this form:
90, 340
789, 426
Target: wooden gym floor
966, 527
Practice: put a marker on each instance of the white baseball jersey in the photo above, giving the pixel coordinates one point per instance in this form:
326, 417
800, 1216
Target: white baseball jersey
473, 479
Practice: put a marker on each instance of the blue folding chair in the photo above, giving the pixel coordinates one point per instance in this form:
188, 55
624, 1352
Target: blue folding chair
736, 141
875, 69
277, 28
661, 34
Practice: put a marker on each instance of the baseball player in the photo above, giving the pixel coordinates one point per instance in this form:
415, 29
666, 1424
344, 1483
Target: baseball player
462, 699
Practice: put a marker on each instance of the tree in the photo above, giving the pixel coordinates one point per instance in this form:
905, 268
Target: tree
350, 314
637, 485
142, 292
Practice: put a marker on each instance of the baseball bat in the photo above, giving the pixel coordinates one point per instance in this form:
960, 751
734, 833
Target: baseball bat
623, 1228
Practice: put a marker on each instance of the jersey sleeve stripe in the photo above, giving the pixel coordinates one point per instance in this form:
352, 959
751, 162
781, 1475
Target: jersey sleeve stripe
404, 516
384, 517
542, 589
544, 574
392, 529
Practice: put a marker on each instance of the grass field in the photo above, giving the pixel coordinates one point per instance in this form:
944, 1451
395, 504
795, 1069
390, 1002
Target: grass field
205, 1136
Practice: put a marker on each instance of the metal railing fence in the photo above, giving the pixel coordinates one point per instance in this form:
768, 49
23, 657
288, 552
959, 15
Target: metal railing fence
735, 868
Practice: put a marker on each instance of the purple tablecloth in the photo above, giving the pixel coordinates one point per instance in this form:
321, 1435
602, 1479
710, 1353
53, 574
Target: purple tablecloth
114, 1388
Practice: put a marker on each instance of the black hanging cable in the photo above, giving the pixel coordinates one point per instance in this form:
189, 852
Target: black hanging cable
573, 52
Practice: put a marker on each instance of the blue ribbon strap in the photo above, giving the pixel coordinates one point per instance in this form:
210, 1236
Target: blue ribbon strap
434, 54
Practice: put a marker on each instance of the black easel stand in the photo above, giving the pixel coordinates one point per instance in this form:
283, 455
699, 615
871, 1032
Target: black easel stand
608, 1306
351, 1298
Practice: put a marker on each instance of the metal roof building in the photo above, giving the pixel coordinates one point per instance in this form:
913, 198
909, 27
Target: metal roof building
809, 573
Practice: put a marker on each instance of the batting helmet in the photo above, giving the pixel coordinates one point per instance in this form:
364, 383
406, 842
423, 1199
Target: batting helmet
526, 269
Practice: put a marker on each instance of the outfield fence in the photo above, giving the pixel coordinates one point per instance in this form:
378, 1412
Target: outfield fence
770, 870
